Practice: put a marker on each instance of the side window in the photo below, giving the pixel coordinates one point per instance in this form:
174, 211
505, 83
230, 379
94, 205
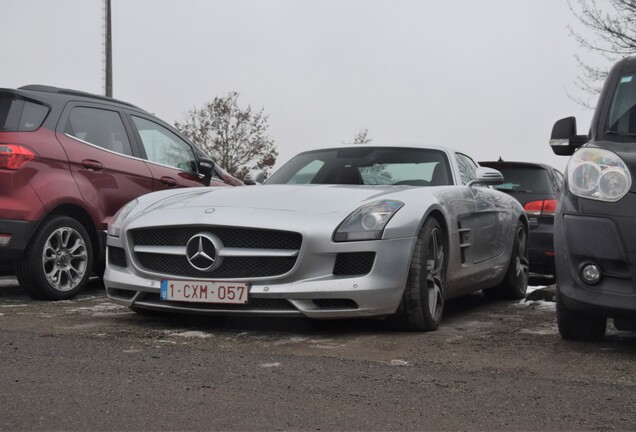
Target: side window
100, 127
19, 115
163, 146
467, 168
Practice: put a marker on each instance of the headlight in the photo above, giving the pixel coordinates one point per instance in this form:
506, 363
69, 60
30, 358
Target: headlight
598, 174
367, 222
114, 225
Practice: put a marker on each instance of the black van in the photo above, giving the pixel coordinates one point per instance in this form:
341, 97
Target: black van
595, 222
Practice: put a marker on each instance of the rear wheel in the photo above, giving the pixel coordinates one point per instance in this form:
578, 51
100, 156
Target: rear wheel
422, 305
57, 263
515, 283
579, 325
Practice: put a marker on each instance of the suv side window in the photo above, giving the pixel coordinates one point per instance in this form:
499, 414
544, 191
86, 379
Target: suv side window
467, 168
164, 147
101, 127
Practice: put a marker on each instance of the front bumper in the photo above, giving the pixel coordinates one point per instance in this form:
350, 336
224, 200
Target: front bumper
603, 233
309, 289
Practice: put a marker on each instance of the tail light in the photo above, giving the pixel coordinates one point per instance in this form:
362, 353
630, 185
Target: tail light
13, 156
541, 207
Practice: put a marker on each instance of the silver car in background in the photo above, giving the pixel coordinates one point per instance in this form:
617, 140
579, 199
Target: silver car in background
352, 231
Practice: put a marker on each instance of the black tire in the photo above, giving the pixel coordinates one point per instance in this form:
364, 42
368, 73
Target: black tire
515, 283
579, 325
58, 260
422, 304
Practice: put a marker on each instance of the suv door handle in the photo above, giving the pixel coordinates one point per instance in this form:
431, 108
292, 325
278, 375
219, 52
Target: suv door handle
168, 181
92, 165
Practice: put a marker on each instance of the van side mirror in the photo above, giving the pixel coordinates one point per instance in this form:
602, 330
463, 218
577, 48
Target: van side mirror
254, 177
564, 140
487, 176
206, 168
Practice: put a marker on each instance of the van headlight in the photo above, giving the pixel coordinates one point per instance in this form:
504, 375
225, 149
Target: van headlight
367, 222
598, 174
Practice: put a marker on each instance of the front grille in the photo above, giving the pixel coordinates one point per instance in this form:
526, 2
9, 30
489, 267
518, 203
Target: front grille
231, 237
232, 267
243, 267
353, 263
117, 256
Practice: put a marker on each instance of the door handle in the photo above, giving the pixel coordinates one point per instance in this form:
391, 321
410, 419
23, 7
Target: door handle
92, 165
168, 181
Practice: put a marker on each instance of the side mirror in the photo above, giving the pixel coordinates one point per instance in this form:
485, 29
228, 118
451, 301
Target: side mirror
564, 140
206, 168
487, 176
254, 177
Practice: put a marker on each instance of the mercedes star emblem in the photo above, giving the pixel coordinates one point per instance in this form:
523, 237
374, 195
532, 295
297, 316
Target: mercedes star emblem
202, 251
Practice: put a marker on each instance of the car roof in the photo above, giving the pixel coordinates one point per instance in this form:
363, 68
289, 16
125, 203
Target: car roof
515, 163
37, 91
415, 146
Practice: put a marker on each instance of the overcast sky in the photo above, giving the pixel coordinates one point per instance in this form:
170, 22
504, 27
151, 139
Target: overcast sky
488, 77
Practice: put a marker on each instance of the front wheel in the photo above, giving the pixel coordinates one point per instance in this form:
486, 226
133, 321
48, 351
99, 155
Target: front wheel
58, 261
422, 304
515, 283
579, 325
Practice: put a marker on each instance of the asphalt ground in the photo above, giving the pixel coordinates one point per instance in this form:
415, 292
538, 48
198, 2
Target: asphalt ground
88, 364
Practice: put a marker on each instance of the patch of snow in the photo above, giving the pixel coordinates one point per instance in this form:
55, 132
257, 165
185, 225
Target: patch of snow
542, 332
270, 365
192, 334
291, 340
13, 305
398, 362
539, 304
104, 307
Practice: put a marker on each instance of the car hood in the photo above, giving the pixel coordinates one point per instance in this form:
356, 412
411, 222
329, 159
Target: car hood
296, 198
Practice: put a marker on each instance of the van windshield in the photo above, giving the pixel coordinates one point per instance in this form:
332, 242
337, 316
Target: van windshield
622, 114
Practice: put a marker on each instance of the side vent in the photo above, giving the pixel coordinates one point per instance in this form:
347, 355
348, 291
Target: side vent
464, 241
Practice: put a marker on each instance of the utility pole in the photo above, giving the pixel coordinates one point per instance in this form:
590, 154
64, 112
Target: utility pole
108, 51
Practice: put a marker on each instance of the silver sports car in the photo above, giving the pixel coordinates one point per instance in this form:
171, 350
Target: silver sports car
352, 231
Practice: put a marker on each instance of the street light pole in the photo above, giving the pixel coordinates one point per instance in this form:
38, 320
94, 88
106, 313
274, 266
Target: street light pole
108, 46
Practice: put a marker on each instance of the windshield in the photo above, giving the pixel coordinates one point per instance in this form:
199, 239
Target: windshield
622, 114
366, 166
524, 179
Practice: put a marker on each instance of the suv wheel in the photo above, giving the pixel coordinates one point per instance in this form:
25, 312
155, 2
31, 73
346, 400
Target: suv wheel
58, 261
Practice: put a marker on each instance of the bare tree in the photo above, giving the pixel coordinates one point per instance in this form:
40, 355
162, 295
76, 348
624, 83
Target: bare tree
235, 138
612, 24
362, 137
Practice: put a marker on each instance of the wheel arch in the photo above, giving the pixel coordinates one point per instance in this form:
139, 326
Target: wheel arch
83, 217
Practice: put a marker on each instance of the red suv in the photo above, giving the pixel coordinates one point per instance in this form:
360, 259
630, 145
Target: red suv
68, 161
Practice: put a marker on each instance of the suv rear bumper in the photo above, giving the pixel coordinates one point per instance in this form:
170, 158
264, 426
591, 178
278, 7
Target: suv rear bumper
541, 249
20, 232
603, 234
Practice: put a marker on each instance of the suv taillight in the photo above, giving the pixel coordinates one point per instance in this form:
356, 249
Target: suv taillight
13, 156
541, 208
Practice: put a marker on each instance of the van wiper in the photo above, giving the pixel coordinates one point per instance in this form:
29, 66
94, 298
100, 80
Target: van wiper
620, 133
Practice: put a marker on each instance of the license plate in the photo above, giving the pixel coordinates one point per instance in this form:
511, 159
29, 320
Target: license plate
205, 291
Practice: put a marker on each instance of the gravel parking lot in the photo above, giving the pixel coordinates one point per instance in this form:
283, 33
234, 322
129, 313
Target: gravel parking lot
87, 364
